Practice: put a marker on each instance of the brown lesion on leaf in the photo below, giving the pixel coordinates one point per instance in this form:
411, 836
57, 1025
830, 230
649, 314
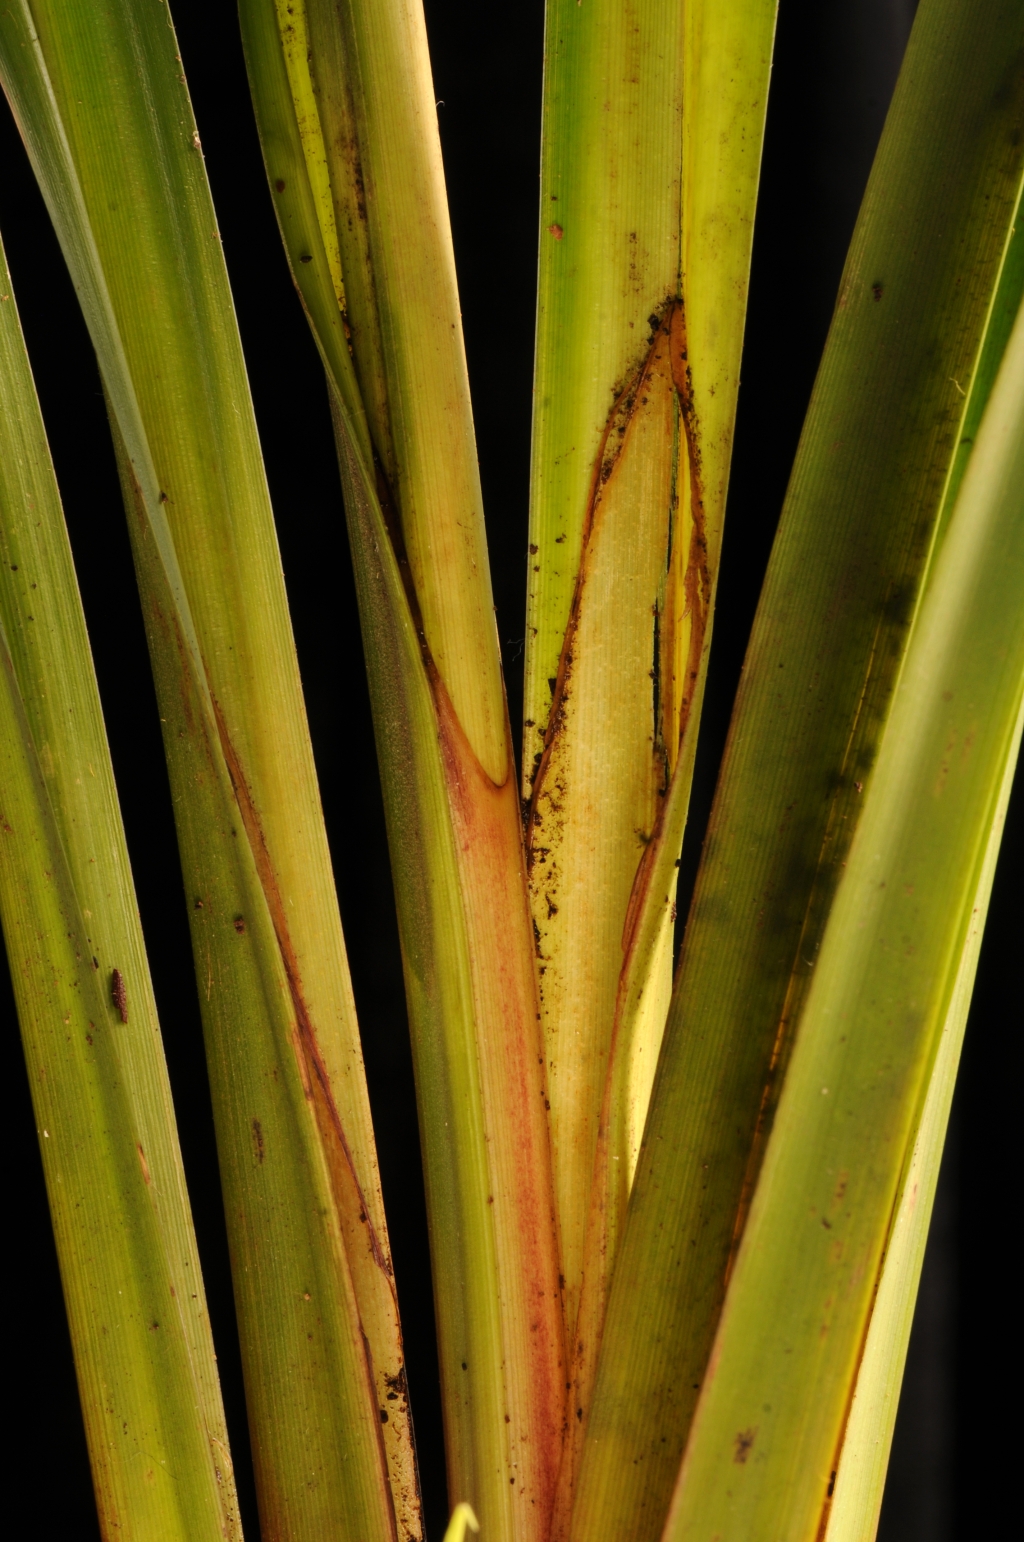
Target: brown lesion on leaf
315, 1078
347, 1192
667, 336
397, 1385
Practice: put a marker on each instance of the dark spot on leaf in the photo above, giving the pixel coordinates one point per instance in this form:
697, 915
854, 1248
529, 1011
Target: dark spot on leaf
118, 995
744, 1444
398, 1384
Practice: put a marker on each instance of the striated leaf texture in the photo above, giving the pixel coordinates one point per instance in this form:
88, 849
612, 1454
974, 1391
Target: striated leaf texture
137, 1310
829, 640
100, 98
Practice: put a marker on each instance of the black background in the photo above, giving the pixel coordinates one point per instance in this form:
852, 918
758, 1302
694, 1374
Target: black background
835, 67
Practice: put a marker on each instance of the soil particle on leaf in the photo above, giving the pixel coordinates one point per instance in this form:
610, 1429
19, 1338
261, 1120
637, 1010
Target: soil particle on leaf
118, 994
744, 1443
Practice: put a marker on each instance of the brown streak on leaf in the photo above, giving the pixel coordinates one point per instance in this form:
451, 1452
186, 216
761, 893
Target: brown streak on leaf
316, 1081
697, 586
612, 443
851, 1393
491, 858
697, 589
697, 581
310, 1064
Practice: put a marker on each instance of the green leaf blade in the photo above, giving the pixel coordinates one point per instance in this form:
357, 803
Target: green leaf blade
831, 631
856, 1502
869, 1034
652, 133
102, 104
415, 527
129, 1264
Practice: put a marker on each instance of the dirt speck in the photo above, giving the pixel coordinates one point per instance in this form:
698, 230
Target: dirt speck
744, 1443
118, 994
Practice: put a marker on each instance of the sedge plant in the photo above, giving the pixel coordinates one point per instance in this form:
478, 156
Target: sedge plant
676, 1217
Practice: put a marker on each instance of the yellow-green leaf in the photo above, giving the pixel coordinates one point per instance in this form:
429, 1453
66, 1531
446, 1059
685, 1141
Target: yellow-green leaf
100, 98
399, 392
140, 1329
653, 123
766, 1435
848, 566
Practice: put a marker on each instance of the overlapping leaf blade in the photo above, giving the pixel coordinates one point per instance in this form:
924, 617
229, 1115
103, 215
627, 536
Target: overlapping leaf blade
653, 123
100, 99
847, 568
867, 1438
863, 1460
130, 1270
347, 120
785, 1359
